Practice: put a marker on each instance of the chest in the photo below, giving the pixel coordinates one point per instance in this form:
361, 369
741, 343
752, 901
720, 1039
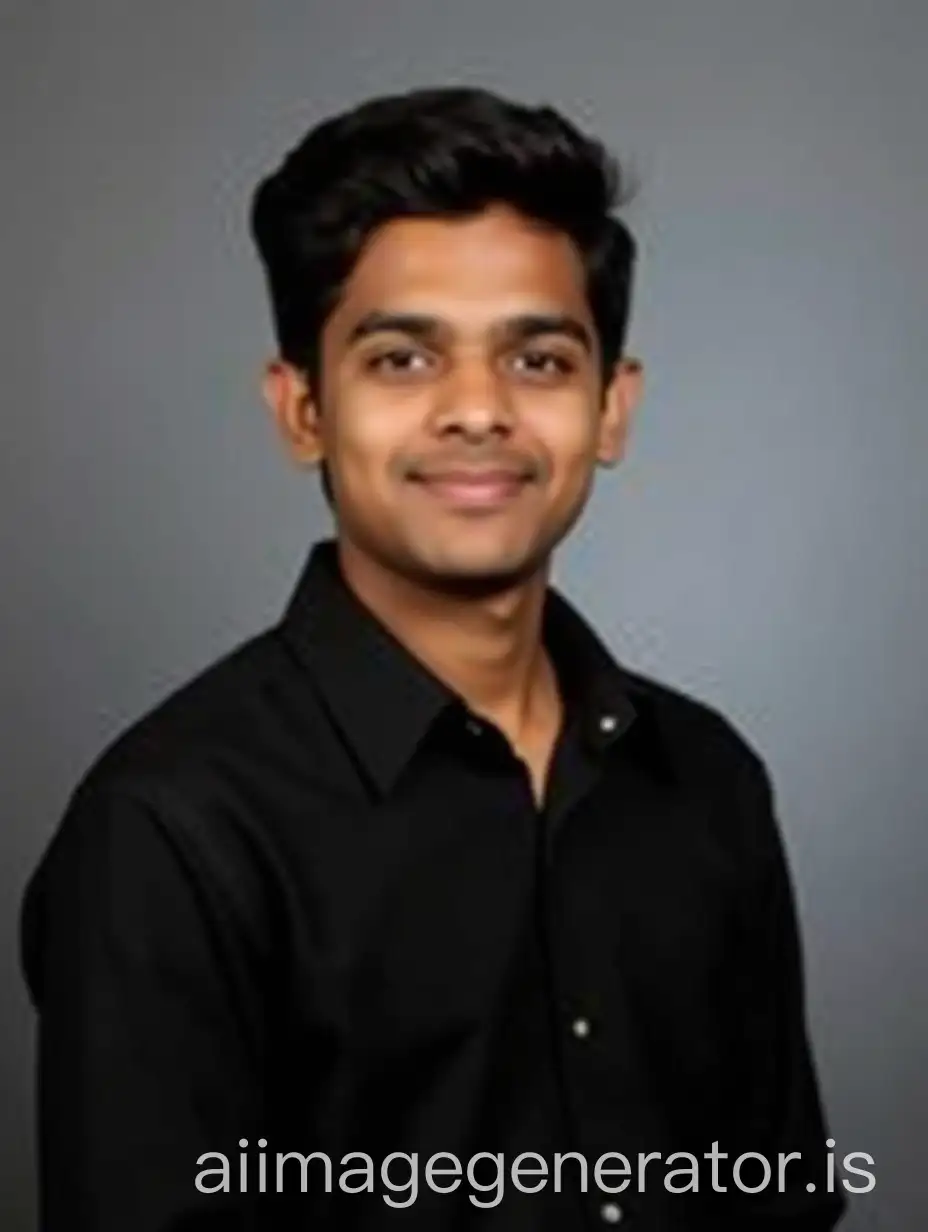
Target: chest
459, 903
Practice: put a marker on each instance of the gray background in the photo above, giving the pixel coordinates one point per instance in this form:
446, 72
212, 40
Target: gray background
763, 547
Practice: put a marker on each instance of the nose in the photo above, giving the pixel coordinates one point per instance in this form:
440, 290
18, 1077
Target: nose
473, 402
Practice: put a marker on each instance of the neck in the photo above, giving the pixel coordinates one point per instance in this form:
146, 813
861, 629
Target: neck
489, 650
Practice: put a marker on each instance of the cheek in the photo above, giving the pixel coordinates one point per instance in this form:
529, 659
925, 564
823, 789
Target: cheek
367, 432
569, 435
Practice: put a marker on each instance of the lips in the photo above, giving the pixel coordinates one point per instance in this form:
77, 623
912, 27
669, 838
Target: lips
474, 488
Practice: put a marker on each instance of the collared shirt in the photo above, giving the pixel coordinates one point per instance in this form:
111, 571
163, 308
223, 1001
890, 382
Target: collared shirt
309, 907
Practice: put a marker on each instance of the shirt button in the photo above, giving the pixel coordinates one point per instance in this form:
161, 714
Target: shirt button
580, 1027
474, 727
610, 1212
607, 723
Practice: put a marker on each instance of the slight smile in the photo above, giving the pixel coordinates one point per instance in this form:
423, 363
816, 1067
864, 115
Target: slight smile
474, 489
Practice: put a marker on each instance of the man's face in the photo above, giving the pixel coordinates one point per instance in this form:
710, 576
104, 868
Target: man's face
462, 411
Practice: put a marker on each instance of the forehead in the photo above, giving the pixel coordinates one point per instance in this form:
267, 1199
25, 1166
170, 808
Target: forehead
473, 269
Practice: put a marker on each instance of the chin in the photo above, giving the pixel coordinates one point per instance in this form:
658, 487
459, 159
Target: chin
478, 572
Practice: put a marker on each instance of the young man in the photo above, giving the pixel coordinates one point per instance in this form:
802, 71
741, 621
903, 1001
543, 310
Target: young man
420, 880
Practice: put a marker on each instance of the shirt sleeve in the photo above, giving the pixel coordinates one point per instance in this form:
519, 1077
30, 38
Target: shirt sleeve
781, 1110
149, 1051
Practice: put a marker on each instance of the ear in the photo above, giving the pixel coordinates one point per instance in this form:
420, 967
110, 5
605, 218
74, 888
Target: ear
620, 398
286, 392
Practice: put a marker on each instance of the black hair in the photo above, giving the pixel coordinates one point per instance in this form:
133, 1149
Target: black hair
447, 151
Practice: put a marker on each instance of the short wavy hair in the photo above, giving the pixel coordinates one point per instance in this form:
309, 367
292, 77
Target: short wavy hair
450, 152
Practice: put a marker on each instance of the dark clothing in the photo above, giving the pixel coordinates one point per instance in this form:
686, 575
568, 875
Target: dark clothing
309, 902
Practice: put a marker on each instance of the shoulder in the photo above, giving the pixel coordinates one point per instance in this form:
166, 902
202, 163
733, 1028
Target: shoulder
708, 758
198, 727
175, 778
697, 738
151, 814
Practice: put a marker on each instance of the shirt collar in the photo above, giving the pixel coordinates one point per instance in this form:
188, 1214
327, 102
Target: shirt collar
385, 700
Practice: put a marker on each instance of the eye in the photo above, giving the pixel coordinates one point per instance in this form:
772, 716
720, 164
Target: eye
546, 363
396, 359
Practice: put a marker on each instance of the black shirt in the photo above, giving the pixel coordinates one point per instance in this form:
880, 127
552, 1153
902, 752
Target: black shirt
308, 904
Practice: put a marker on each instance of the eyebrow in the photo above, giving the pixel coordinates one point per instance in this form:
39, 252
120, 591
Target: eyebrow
514, 329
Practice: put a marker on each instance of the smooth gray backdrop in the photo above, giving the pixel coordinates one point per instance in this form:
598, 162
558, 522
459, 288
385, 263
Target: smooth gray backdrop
763, 547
